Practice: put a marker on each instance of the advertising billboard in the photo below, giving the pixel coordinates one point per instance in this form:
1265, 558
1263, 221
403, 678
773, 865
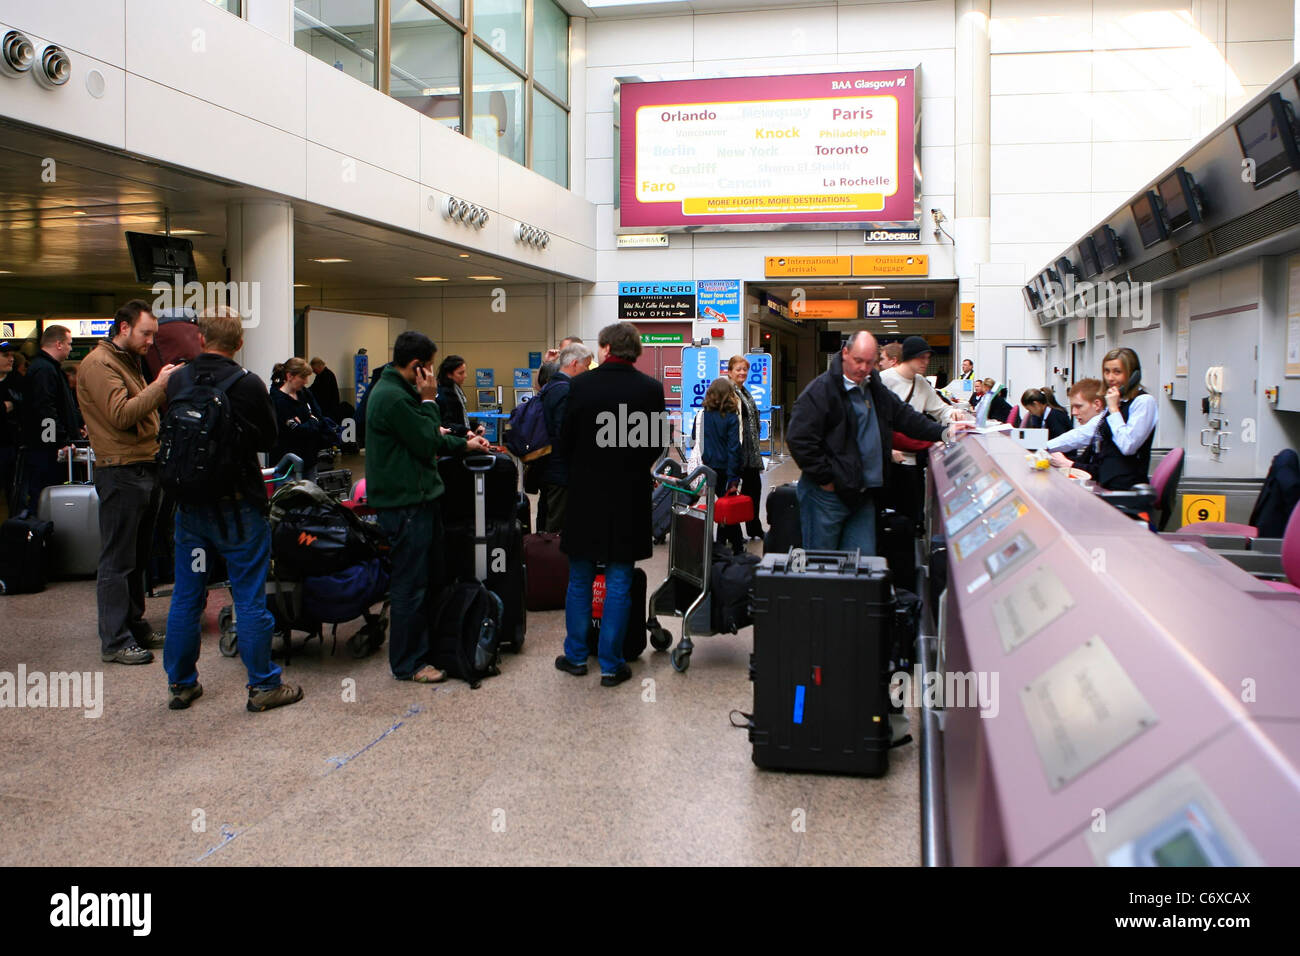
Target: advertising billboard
818, 150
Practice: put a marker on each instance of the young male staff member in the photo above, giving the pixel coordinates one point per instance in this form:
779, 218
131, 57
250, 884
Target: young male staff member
1120, 440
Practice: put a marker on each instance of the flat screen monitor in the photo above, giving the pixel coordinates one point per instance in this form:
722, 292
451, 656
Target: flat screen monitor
161, 258
1088, 266
829, 341
486, 397
1180, 197
1151, 225
1065, 267
1267, 138
1109, 251
1031, 298
1050, 283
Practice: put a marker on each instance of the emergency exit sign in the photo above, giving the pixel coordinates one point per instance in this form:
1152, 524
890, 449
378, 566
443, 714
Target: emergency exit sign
663, 338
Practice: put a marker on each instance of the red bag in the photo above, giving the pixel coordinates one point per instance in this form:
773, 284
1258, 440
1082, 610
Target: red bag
733, 509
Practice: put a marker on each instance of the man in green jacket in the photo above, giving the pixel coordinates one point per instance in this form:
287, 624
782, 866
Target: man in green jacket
404, 437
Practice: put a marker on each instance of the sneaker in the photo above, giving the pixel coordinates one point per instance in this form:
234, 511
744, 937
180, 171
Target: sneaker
616, 678
562, 663
130, 654
155, 640
182, 695
279, 696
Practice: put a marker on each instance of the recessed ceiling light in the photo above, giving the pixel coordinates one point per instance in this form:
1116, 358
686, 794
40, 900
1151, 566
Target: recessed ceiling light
188, 232
328, 261
430, 278
871, 287
78, 212
301, 285
5, 272
464, 255
486, 278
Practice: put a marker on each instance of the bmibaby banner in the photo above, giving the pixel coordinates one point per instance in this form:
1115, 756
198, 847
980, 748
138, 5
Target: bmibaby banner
816, 148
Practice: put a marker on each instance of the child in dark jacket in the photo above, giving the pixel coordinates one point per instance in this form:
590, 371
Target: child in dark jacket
722, 450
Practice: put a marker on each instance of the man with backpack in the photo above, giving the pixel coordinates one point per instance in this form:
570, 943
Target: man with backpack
218, 418
404, 437
554, 477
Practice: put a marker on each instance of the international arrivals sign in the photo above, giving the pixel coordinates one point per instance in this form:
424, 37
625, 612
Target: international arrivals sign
824, 150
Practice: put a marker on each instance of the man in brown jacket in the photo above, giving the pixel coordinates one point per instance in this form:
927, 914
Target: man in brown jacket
121, 414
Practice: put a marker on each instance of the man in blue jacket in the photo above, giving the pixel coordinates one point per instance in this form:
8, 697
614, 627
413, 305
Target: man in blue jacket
574, 359
841, 436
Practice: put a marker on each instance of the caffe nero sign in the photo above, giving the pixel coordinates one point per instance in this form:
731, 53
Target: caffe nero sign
656, 300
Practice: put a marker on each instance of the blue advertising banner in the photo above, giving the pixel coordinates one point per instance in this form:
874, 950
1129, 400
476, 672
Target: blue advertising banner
484, 377
534, 360
361, 375
699, 367
898, 309
759, 382
718, 300
523, 378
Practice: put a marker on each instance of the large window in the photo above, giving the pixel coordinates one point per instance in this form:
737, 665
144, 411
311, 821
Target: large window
426, 62
340, 32
495, 70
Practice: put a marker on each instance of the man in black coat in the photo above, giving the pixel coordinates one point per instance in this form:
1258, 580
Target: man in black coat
841, 437
50, 419
325, 388
614, 430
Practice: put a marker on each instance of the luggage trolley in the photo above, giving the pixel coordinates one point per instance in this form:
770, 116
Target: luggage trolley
684, 592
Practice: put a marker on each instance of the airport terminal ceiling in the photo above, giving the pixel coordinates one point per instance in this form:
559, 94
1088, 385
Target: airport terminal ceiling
66, 235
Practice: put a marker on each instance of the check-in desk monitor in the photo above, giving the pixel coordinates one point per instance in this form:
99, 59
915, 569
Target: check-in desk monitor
1086, 665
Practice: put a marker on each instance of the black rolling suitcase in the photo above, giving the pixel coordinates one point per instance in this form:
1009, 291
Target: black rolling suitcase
896, 543
822, 635
506, 575
661, 504
24, 555
783, 529
502, 487
634, 634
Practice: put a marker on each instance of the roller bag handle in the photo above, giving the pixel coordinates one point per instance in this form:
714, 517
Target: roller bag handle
799, 560
480, 465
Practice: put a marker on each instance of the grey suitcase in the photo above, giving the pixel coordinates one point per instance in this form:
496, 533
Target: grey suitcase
74, 546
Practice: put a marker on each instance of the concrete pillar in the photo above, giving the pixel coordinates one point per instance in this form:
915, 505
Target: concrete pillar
971, 213
259, 252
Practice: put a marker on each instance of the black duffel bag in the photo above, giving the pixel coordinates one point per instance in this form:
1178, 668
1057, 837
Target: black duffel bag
731, 586
313, 535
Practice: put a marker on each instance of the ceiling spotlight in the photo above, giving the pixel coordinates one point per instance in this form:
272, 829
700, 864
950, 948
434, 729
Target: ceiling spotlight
328, 261
17, 54
487, 278
430, 278
532, 235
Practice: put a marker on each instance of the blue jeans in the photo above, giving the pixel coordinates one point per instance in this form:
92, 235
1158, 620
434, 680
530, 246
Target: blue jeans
414, 589
829, 524
246, 545
613, 619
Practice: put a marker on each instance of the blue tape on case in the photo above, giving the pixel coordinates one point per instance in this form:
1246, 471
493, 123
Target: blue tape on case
798, 703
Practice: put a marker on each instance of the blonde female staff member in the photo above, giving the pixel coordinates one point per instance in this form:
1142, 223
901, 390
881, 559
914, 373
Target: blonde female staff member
1121, 439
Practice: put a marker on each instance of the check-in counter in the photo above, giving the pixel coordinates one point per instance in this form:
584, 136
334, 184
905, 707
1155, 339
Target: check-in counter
1134, 696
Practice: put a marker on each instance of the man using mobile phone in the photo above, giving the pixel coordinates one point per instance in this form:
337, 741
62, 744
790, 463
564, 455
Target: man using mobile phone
404, 437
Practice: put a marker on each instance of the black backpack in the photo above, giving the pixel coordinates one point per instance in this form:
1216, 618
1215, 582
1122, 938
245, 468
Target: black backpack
199, 441
465, 640
313, 535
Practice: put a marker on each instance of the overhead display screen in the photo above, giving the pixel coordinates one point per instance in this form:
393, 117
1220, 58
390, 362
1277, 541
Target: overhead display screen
824, 150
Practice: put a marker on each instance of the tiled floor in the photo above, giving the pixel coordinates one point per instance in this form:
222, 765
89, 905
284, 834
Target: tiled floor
533, 767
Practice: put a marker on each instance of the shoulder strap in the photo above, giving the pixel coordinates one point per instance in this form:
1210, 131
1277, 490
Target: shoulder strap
226, 383
908, 400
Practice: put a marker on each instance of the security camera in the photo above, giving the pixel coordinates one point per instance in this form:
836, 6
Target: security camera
53, 67
938, 216
17, 54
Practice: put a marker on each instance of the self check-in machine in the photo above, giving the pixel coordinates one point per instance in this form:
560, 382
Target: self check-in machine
1097, 694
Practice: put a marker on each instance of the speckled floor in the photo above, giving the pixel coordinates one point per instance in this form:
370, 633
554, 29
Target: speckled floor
535, 767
